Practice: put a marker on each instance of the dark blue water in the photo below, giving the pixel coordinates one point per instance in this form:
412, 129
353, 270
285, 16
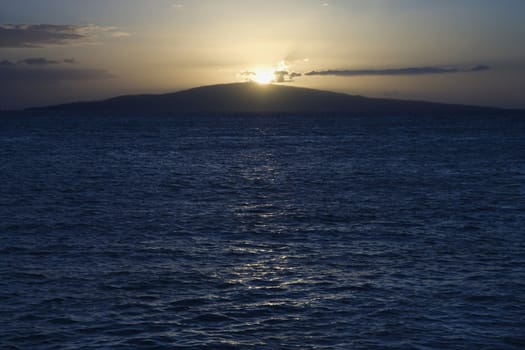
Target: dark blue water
262, 232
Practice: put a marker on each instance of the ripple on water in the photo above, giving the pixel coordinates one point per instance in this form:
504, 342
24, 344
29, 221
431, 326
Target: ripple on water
262, 232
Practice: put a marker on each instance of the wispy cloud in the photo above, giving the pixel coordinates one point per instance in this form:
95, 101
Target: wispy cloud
119, 34
41, 69
36, 61
398, 71
41, 61
51, 74
38, 35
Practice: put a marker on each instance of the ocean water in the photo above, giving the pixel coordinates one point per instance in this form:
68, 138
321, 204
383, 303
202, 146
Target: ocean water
262, 232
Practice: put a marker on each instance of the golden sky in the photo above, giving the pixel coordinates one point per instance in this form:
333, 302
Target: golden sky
463, 51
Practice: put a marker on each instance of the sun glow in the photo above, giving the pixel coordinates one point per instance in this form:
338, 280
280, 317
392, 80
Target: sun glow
267, 74
263, 76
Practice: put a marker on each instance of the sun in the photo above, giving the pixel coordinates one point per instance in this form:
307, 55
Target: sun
263, 76
266, 74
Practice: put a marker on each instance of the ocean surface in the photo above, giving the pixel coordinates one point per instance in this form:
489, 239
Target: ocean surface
262, 232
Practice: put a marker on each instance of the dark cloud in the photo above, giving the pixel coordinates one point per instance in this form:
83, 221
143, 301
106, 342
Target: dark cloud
280, 76
51, 74
285, 76
38, 35
39, 61
41, 69
479, 68
26, 35
398, 71
247, 74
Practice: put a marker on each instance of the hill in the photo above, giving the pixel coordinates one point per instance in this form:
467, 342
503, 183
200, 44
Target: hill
252, 97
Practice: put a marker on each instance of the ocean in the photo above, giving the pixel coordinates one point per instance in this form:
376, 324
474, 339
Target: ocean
262, 231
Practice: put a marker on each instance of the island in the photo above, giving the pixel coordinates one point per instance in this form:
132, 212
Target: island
250, 97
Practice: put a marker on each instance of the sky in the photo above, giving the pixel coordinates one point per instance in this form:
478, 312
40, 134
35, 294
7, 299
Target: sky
456, 51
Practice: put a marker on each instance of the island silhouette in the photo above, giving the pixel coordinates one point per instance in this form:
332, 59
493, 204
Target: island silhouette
253, 97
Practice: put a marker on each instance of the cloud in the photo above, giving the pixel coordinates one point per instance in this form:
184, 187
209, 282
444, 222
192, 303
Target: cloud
37, 61
38, 35
119, 34
479, 68
51, 74
285, 76
294, 57
398, 71
280, 76
41, 69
